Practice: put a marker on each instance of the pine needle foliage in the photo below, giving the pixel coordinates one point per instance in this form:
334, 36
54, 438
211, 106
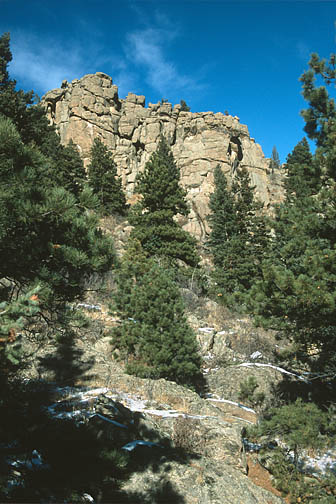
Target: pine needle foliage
22, 108
70, 169
48, 231
297, 291
275, 160
238, 238
299, 425
162, 200
320, 116
46, 234
15, 316
303, 175
104, 180
154, 338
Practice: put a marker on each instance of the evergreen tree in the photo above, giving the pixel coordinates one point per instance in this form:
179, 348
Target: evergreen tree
22, 108
299, 425
69, 169
162, 199
16, 315
45, 234
297, 291
275, 161
184, 106
320, 116
238, 237
104, 180
154, 337
303, 173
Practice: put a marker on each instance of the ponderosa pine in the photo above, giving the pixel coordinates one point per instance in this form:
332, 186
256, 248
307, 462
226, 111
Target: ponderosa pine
297, 292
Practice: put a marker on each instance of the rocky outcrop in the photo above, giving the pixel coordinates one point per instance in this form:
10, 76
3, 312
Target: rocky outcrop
190, 454
90, 107
196, 441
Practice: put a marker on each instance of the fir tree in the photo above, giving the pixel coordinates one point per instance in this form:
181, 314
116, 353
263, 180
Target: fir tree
154, 338
238, 237
104, 180
162, 199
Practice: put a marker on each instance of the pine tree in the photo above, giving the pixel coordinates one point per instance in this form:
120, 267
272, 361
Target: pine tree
45, 235
162, 199
16, 316
320, 116
22, 108
299, 425
48, 237
303, 173
154, 337
297, 291
238, 237
104, 180
184, 106
69, 169
275, 161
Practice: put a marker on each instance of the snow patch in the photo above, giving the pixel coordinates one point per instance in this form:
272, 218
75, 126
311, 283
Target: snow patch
87, 497
89, 306
256, 355
322, 464
210, 397
281, 370
133, 444
110, 421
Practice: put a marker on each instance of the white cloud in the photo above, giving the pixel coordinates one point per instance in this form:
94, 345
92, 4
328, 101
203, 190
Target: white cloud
147, 49
142, 55
44, 65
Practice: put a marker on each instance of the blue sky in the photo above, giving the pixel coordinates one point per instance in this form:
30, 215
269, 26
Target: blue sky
242, 56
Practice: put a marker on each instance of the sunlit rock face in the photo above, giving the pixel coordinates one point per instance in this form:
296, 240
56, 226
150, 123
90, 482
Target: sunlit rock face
90, 108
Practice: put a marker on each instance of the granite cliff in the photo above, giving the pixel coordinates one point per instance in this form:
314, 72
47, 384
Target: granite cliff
90, 107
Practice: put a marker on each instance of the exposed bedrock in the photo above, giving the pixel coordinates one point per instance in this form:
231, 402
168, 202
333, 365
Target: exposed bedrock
90, 107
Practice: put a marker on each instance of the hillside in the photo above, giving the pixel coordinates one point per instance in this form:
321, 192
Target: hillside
152, 355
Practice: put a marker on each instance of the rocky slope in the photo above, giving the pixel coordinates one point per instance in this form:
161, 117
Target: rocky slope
90, 107
197, 441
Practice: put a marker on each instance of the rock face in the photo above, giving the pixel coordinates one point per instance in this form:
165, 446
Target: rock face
90, 107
